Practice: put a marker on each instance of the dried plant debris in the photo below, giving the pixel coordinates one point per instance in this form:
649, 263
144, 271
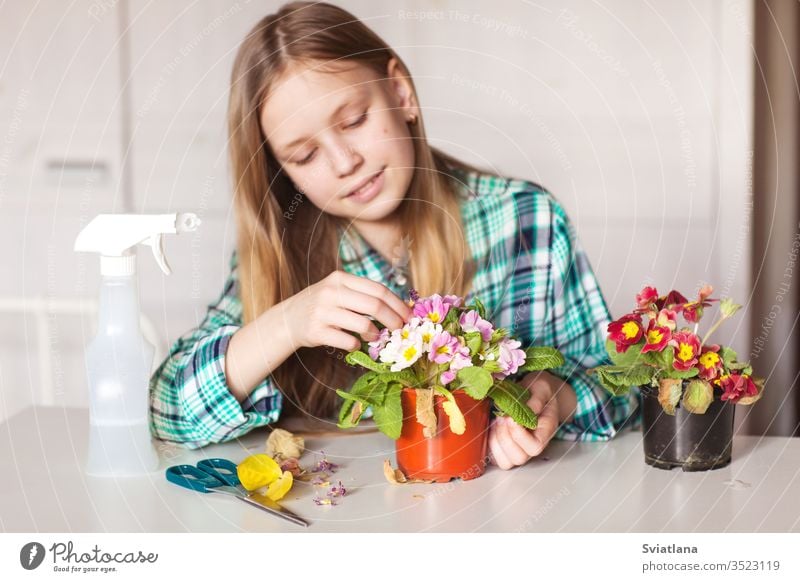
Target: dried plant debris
397, 477
335, 493
324, 465
282, 444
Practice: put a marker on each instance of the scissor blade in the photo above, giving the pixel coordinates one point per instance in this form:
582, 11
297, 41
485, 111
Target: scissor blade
270, 506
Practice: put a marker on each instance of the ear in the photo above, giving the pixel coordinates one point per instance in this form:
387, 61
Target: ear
402, 91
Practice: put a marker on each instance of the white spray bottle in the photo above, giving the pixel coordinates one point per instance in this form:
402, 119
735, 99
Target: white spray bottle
119, 359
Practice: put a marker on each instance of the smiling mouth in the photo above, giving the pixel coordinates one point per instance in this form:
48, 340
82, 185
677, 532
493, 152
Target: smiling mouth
366, 186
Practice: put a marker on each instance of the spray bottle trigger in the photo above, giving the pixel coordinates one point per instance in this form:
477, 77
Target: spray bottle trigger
157, 242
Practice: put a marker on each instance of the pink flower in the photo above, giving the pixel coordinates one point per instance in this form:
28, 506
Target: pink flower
510, 357
472, 321
646, 297
446, 377
687, 348
735, 386
625, 332
656, 337
433, 307
709, 363
376, 346
452, 300
443, 348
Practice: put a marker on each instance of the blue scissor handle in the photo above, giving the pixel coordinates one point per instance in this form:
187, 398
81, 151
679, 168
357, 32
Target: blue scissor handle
222, 469
191, 477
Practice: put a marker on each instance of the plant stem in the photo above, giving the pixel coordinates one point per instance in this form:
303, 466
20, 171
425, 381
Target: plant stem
713, 329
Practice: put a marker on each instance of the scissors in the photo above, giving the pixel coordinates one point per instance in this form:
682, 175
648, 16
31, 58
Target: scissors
219, 476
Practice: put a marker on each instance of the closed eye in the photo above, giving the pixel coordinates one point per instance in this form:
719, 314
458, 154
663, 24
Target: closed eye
358, 121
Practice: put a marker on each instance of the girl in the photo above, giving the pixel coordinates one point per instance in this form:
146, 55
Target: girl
343, 206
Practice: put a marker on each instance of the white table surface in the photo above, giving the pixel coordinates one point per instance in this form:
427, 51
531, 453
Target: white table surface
583, 487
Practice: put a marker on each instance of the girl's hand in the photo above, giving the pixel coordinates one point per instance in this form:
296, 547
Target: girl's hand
323, 313
512, 444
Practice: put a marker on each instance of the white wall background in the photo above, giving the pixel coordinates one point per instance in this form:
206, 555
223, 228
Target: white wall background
636, 115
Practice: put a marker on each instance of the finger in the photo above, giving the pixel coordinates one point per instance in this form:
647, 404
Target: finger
532, 442
545, 429
499, 457
512, 450
381, 292
339, 339
348, 320
369, 305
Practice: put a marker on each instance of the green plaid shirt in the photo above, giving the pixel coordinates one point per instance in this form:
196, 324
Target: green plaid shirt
532, 276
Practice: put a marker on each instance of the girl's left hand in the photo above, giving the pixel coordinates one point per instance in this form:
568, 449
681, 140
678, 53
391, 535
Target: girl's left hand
512, 444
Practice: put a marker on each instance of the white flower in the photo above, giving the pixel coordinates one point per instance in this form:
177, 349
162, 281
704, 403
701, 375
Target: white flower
429, 330
404, 348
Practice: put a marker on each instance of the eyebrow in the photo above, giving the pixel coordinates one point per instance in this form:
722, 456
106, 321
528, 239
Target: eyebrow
300, 140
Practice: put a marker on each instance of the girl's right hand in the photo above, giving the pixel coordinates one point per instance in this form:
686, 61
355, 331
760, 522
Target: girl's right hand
323, 313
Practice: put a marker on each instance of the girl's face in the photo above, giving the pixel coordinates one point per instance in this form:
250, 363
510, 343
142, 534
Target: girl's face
334, 132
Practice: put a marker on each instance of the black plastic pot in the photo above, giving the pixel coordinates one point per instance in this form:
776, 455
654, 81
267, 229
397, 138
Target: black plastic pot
693, 442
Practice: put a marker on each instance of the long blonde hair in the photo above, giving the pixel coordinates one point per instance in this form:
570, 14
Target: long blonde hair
272, 268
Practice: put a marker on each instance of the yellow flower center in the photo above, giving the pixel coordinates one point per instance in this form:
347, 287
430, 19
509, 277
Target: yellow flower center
409, 353
709, 359
442, 350
434, 317
685, 352
654, 336
404, 334
630, 329
426, 337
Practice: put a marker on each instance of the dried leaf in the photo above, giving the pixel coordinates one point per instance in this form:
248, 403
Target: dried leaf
356, 412
284, 445
393, 476
759, 382
669, 392
457, 422
426, 415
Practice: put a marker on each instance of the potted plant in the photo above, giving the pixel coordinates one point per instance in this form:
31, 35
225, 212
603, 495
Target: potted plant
430, 386
689, 385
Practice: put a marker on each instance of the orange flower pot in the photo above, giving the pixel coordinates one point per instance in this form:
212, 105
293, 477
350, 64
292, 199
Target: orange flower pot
445, 455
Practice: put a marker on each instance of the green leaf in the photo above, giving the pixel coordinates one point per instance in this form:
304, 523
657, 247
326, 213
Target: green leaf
679, 374
698, 396
541, 358
729, 356
512, 399
480, 308
359, 358
451, 318
619, 379
367, 390
389, 417
628, 358
662, 359
474, 342
405, 377
475, 381
728, 308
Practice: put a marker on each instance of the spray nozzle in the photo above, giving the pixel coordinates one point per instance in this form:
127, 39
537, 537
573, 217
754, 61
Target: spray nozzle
114, 237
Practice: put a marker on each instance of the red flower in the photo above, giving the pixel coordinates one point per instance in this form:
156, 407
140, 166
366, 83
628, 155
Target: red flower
693, 310
709, 363
670, 300
646, 297
625, 332
656, 337
667, 318
687, 348
736, 386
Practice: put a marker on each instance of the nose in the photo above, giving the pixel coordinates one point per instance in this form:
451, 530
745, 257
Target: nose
345, 160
